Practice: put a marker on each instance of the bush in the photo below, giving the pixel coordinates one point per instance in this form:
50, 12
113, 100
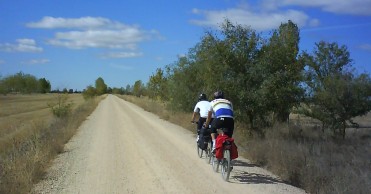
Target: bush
61, 108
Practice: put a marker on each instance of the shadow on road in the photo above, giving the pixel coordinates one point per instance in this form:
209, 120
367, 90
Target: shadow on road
253, 178
244, 177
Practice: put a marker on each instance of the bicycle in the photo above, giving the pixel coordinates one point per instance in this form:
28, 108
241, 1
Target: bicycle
225, 162
207, 144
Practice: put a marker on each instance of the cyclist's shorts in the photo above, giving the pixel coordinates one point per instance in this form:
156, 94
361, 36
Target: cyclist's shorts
223, 122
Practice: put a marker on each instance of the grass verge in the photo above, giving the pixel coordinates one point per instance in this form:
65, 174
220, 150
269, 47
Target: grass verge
25, 156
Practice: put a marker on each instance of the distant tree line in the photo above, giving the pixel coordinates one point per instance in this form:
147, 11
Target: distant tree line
23, 83
266, 78
101, 88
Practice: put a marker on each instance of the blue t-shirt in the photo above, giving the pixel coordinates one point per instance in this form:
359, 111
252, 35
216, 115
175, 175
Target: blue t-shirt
222, 108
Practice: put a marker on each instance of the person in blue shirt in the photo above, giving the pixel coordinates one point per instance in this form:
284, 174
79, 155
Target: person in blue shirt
222, 109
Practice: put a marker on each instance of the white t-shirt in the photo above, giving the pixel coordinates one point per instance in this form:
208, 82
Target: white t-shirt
203, 108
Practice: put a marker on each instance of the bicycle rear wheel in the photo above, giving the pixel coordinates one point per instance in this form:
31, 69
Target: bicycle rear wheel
226, 165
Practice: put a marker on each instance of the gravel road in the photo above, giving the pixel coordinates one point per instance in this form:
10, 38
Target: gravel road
121, 148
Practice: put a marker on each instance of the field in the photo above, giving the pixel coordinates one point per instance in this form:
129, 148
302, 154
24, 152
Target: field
20, 112
31, 136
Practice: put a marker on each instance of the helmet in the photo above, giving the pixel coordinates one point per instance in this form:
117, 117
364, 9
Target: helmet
202, 97
218, 94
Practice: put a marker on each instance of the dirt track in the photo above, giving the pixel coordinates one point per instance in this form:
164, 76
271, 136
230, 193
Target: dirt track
121, 148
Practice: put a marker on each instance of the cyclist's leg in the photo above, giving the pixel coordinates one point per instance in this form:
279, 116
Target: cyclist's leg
215, 124
200, 123
229, 124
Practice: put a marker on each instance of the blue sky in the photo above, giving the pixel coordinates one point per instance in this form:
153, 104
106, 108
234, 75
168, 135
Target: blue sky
73, 42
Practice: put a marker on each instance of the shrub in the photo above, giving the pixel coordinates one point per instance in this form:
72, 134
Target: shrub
61, 108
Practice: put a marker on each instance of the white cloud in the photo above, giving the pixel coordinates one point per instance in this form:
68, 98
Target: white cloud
121, 55
22, 45
93, 32
366, 47
126, 38
354, 7
36, 61
77, 23
269, 14
258, 21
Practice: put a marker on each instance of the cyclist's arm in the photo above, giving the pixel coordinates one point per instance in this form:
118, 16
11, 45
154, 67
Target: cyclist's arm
193, 117
209, 115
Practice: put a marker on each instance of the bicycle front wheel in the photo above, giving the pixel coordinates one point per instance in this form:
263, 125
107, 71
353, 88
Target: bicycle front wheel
208, 153
214, 162
226, 165
199, 151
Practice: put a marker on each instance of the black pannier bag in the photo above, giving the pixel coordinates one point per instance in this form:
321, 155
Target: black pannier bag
204, 138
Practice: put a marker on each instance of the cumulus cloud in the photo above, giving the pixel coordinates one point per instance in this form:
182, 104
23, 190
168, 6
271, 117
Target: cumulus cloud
121, 55
256, 20
93, 32
21, 45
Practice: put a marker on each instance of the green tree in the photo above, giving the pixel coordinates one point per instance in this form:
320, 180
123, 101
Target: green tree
44, 85
20, 83
335, 94
282, 72
89, 92
138, 88
100, 86
157, 86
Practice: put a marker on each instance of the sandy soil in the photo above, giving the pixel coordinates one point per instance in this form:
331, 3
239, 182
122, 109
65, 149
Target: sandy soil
121, 148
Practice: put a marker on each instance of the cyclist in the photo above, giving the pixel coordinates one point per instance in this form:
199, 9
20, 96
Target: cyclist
202, 108
223, 111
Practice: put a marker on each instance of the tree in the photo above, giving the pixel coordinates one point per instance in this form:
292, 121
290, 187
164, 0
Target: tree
282, 72
44, 85
334, 94
100, 86
138, 88
20, 83
157, 86
128, 89
89, 92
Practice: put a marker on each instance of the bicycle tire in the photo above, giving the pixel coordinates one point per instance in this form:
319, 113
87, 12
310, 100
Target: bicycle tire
226, 165
199, 151
208, 153
215, 163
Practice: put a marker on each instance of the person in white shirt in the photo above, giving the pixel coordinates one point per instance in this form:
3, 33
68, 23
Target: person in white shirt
202, 109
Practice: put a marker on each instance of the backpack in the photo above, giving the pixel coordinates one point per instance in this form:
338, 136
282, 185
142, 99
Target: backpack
204, 138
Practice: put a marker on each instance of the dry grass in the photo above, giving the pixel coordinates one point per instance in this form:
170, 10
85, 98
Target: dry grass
314, 162
21, 111
301, 156
35, 138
